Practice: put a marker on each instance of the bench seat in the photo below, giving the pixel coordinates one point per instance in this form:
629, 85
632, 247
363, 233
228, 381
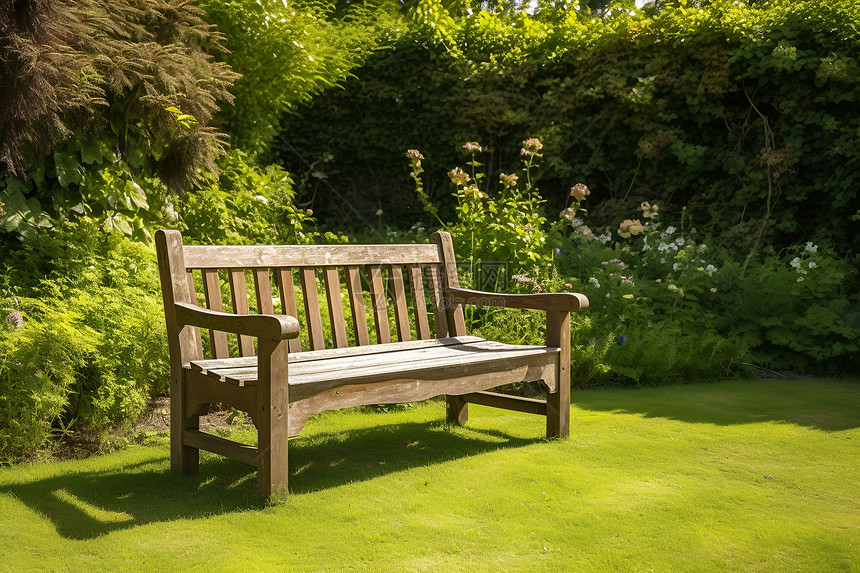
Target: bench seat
283, 332
411, 371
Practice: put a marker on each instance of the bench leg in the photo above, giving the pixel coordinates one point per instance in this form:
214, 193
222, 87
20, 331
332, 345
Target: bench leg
183, 459
273, 400
558, 403
456, 410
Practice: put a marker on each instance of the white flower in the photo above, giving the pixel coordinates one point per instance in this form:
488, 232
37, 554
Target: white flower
811, 247
676, 266
680, 241
607, 295
670, 229
595, 282
800, 279
812, 264
795, 262
711, 268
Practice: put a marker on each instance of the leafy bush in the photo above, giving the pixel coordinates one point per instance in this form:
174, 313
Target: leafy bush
92, 347
245, 204
742, 112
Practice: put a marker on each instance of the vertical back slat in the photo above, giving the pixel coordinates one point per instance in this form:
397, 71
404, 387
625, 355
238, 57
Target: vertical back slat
212, 292
401, 309
312, 308
419, 302
456, 320
380, 307
437, 301
356, 305
335, 307
287, 291
239, 297
192, 293
263, 288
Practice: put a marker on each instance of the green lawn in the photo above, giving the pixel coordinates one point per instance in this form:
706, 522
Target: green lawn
734, 476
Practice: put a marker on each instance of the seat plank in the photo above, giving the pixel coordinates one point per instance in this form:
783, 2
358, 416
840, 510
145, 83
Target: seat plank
409, 363
251, 361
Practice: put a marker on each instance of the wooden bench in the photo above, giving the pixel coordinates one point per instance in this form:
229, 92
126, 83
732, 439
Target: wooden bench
283, 379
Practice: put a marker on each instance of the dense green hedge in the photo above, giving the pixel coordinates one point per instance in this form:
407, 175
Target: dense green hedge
744, 113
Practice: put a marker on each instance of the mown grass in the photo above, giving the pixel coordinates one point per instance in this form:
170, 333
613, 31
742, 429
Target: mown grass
738, 476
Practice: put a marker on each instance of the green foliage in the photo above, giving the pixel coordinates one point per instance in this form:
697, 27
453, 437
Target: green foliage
742, 112
92, 347
286, 53
94, 68
38, 363
245, 205
507, 226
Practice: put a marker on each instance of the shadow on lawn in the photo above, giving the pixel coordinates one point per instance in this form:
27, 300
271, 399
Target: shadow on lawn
88, 504
829, 405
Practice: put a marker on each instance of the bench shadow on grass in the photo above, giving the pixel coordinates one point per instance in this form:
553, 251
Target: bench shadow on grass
828, 405
88, 504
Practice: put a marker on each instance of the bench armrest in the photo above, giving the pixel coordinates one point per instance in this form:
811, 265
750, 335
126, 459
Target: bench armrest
271, 326
562, 301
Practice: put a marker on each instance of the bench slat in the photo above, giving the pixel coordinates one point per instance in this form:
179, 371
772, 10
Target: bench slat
380, 306
335, 306
212, 292
263, 288
419, 302
356, 305
287, 292
408, 363
251, 361
312, 309
214, 257
401, 309
239, 295
192, 293
437, 302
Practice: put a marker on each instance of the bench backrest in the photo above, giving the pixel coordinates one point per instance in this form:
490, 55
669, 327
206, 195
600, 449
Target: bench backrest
394, 285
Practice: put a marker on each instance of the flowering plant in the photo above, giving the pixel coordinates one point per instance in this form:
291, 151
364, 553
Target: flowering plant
503, 224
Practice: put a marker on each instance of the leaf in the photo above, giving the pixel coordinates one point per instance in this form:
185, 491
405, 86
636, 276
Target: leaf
137, 195
67, 169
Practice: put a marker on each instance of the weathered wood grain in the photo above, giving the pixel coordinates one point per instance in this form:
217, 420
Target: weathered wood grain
212, 293
312, 308
287, 293
356, 305
335, 307
380, 306
203, 257
398, 297
239, 299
